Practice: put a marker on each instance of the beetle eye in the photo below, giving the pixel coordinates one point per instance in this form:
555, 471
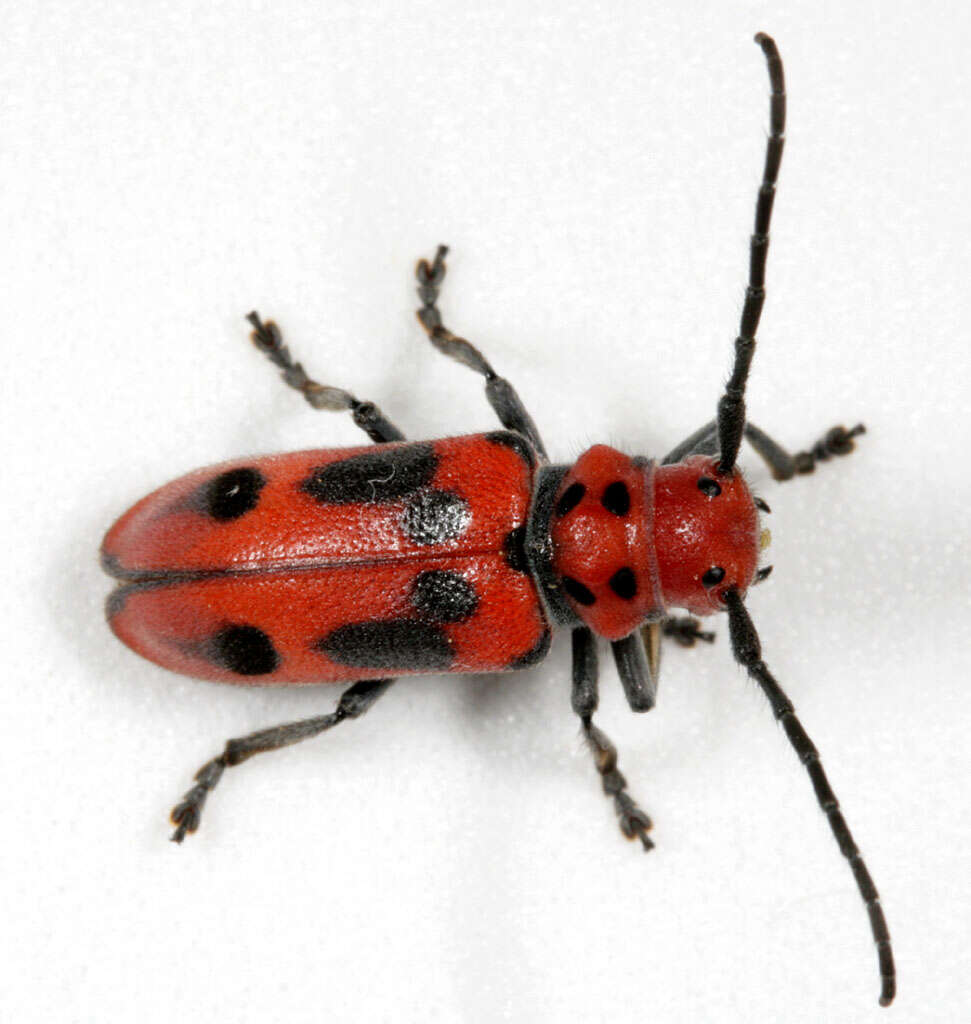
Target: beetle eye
713, 576
708, 486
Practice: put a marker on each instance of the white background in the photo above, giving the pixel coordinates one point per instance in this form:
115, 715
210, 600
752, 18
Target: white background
593, 165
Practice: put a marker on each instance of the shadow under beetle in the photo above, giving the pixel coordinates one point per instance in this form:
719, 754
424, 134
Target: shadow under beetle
459, 555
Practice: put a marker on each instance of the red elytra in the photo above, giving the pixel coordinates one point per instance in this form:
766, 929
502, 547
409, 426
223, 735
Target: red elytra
460, 555
336, 539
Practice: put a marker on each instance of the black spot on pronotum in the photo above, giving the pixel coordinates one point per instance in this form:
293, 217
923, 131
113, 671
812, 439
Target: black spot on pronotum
232, 494
578, 591
443, 595
399, 645
616, 498
516, 442
434, 517
384, 475
570, 498
708, 486
536, 653
624, 583
713, 576
246, 650
514, 548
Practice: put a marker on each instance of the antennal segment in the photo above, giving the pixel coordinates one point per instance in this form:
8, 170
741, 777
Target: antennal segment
731, 407
748, 652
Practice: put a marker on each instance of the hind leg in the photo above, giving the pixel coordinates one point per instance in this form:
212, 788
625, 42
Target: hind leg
353, 703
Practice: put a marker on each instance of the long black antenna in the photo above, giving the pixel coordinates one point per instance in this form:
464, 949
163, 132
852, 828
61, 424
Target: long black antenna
731, 407
748, 652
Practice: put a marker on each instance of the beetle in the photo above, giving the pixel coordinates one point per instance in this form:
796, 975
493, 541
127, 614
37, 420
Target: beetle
461, 555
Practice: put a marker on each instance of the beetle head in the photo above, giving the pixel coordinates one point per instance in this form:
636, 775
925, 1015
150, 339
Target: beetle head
706, 534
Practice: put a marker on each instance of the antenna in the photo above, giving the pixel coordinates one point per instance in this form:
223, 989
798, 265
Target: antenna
731, 407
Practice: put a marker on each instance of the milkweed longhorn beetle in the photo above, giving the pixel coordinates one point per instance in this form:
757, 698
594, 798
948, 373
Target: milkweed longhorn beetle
458, 555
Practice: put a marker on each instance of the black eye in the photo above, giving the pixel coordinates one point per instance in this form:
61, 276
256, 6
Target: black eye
713, 576
709, 486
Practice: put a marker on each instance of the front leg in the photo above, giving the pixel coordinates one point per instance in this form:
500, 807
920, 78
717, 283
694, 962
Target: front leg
634, 823
686, 630
782, 464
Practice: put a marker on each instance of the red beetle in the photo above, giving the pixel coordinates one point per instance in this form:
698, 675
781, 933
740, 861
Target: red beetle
460, 555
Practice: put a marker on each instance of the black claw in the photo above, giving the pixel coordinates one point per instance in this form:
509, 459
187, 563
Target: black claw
186, 819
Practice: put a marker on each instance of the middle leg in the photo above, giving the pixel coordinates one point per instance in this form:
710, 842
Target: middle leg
501, 394
634, 823
266, 336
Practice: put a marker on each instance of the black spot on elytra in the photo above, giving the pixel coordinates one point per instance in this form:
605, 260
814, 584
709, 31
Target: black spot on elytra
232, 494
398, 645
708, 486
433, 517
624, 583
377, 476
443, 595
576, 590
536, 653
570, 498
514, 548
246, 650
616, 498
517, 442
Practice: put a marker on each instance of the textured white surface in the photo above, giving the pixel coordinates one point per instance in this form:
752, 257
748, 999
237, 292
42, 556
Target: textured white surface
593, 166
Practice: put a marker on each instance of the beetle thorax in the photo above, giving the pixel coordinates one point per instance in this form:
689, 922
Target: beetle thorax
631, 539
603, 550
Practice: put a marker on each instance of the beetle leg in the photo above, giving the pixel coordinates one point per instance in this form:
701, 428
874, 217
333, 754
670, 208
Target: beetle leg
500, 393
636, 675
782, 465
685, 630
269, 340
634, 823
353, 703
836, 441
704, 441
